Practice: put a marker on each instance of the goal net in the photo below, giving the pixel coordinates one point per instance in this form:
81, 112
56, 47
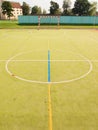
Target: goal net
49, 19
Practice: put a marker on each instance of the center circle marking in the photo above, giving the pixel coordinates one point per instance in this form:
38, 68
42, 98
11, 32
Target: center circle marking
44, 82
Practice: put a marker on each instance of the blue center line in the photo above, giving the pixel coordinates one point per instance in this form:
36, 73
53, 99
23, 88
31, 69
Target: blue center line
49, 78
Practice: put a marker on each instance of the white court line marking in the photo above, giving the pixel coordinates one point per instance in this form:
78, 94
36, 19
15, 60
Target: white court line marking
53, 82
50, 60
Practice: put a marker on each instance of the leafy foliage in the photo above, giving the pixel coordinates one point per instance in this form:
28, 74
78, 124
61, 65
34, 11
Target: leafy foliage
93, 8
25, 8
66, 7
36, 10
54, 8
44, 11
7, 9
81, 7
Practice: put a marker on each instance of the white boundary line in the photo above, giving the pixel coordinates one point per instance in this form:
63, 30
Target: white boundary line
43, 82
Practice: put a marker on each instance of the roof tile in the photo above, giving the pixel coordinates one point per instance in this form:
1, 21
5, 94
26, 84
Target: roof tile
15, 4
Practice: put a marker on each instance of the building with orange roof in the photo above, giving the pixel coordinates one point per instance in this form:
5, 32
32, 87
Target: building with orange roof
17, 10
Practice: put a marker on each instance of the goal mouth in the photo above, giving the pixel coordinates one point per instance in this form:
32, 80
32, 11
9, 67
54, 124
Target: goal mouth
48, 20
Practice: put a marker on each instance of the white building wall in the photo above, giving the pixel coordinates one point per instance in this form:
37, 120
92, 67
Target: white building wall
1, 15
16, 12
0, 9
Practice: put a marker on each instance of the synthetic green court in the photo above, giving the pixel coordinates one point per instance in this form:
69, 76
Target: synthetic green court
49, 79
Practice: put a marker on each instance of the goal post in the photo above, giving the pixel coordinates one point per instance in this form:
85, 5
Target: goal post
58, 20
48, 19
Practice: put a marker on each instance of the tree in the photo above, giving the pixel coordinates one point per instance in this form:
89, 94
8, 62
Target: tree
39, 10
66, 7
93, 9
54, 8
36, 10
81, 7
44, 11
7, 9
25, 8
58, 12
